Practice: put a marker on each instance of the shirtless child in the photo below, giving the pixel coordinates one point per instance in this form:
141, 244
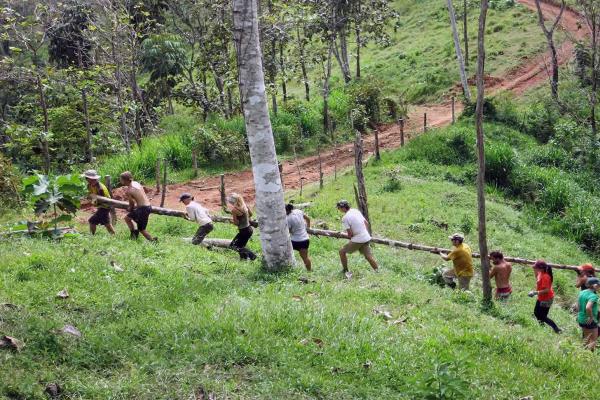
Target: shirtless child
139, 207
501, 270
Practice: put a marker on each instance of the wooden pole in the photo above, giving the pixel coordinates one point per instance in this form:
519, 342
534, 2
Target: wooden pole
157, 175
453, 115
164, 184
360, 178
298, 168
424, 122
320, 167
377, 153
195, 163
401, 122
332, 234
113, 212
222, 191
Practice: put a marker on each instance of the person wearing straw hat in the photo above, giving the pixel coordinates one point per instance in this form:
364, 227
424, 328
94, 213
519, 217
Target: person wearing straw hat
195, 212
102, 214
587, 317
462, 260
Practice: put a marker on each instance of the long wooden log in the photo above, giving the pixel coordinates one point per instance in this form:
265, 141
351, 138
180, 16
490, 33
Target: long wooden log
430, 249
331, 234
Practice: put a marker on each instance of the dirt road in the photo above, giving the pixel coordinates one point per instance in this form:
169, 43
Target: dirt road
532, 72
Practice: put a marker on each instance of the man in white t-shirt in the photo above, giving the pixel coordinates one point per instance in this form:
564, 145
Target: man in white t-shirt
297, 223
195, 212
357, 228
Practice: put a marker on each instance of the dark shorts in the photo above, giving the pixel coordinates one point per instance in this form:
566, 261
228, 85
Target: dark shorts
140, 215
593, 325
201, 233
100, 217
303, 245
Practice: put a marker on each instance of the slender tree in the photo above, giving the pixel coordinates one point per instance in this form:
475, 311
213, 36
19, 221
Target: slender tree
466, 31
549, 33
459, 57
483, 249
270, 205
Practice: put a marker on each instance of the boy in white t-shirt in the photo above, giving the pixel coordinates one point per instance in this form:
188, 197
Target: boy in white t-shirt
195, 212
297, 223
357, 228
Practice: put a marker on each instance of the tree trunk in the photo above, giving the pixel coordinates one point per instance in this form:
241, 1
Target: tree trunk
270, 203
301, 46
229, 100
466, 33
282, 71
326, 123
549, 33
195, 163
459, 57
44, 138
363, 205
157, 174
344, 54
483, 250
358, 52
88, 128
221, 89
122, 117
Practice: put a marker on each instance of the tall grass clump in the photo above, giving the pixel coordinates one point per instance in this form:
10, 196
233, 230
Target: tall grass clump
454, 146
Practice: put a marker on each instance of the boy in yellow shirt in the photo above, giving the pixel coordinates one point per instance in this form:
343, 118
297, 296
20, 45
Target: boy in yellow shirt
463, 263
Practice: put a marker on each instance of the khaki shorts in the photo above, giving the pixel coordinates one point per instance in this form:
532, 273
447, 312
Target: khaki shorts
363, 248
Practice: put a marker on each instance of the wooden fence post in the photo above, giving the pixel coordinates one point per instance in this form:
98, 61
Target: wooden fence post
113, 212
377, 153
401, 122
157, 175
298, 168
164, 184
320, 167
453, 115
424, 122
363, 205
222, 190
195, 163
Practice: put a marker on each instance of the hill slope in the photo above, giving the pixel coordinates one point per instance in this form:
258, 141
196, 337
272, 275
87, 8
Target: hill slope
179, 320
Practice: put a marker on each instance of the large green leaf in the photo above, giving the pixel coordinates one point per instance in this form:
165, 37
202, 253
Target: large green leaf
41, 186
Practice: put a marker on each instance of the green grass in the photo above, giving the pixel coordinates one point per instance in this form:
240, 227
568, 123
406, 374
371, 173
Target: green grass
180, 317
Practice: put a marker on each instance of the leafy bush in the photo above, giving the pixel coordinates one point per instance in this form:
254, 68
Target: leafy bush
393, 182
452, 147
500, 161
550, 155
9, 182
366, 95
539, 120
51, 194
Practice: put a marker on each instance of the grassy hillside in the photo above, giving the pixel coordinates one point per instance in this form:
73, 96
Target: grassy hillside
179, 318
420, 62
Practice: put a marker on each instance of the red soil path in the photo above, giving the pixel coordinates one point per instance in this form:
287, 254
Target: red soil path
531, 72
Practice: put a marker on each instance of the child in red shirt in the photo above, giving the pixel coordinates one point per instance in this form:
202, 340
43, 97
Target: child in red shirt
544, 292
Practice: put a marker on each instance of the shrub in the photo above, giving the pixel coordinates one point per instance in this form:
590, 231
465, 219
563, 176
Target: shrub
500, 161
366, 95
393, 182
9, 182
550, 155
452, 147
538, 121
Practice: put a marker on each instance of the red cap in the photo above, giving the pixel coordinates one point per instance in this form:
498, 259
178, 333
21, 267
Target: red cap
587, 268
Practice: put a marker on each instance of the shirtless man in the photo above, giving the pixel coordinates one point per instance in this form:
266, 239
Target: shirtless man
139, 207
501, 270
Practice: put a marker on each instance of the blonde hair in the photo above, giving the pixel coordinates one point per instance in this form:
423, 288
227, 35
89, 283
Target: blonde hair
238, 203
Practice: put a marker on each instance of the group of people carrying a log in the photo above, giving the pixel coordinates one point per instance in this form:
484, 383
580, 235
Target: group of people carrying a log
358, 232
